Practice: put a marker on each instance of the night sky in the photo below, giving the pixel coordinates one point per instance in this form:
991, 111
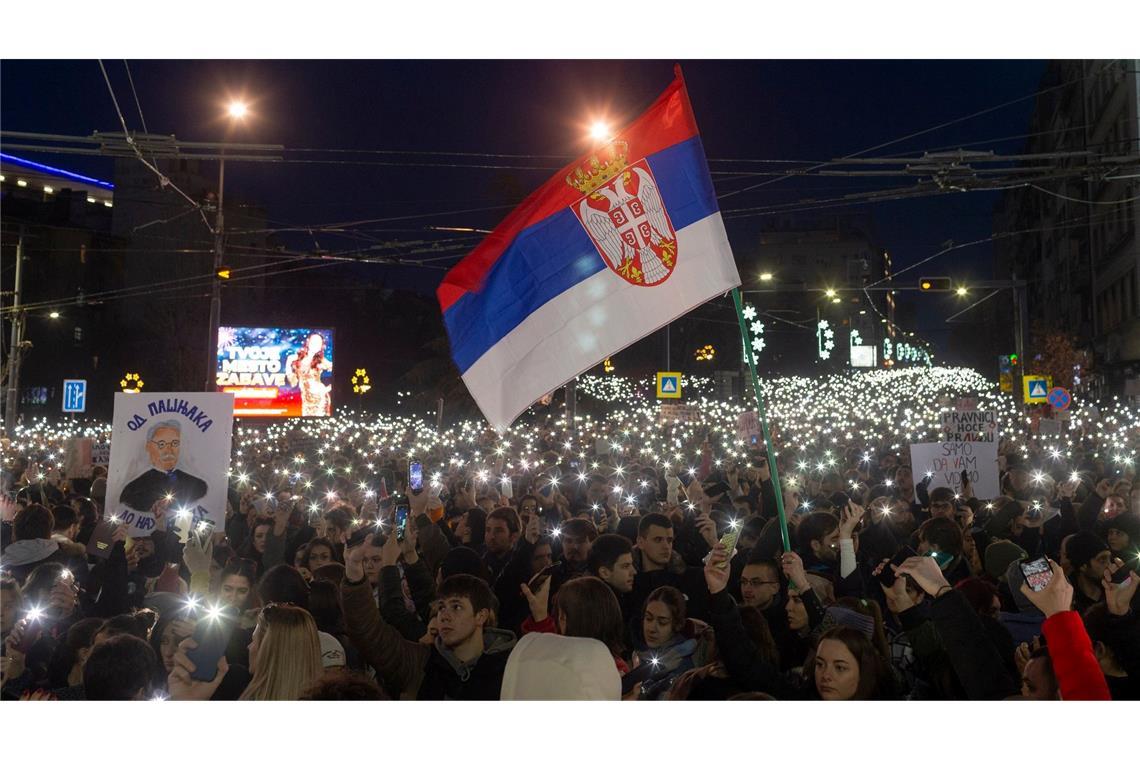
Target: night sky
781, 110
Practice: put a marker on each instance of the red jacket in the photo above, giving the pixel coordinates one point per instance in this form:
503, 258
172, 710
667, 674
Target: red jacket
1079, 676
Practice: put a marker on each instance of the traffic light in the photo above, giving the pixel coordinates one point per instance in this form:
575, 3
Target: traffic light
934, 283
1013, 360
223, 273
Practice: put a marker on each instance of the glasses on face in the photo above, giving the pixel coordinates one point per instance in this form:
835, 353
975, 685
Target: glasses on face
162, 445
756, 583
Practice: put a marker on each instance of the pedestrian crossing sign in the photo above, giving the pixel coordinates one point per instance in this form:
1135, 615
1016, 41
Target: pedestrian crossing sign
1037, 388
668, 385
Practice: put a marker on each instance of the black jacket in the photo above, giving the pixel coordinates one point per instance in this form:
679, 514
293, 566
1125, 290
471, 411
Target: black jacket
690, 581
142, 492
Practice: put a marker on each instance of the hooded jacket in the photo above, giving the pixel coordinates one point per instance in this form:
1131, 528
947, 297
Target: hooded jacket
549, 666
421, 671
22, 557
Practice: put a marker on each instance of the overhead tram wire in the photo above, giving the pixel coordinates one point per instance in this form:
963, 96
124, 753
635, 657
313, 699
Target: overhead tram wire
936, 127
163, 179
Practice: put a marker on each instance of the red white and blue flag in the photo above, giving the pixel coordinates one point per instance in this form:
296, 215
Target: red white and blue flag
614, 247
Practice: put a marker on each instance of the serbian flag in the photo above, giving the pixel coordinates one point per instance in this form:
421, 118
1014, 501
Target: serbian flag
615, 246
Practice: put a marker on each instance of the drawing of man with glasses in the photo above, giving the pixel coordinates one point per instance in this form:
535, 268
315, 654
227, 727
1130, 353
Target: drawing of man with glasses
163, 480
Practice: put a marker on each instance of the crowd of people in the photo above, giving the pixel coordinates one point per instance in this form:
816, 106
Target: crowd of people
630, 556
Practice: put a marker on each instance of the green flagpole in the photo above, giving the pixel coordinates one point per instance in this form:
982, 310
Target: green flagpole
763, 420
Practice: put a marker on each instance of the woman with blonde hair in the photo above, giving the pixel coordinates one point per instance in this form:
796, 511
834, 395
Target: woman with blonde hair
285, 654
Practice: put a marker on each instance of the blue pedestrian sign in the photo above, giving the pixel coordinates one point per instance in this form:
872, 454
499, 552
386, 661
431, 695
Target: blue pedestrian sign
75, 396
668, 385
1037, 388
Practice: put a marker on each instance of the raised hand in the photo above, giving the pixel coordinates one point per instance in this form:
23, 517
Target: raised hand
852, 514
793, 567
707, 528
926, 573
539, 602
1055, 597
196, 552
354, 563
1118, 596
717, 570
181, 684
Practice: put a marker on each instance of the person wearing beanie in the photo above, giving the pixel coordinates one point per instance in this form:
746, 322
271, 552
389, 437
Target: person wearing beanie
549, 666
1122, 534
1000, 555
1089, 557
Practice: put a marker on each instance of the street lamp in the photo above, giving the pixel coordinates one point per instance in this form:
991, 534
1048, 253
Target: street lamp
54, 315
962, 290
830, 293
237, 111
765, 277
599, 131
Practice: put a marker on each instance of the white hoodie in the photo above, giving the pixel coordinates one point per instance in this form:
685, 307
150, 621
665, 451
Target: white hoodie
549, 666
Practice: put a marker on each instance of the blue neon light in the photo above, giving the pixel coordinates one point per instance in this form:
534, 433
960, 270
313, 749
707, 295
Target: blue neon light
55, 171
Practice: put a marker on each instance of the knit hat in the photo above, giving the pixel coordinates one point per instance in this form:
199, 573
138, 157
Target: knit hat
836, 616
548, 666
461, 559
1000, 555
1082, 547
332, 653
1126, 523
979, 592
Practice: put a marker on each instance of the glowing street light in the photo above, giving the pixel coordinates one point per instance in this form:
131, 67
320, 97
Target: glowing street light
962, 290
237, 109
765, 277
599, 131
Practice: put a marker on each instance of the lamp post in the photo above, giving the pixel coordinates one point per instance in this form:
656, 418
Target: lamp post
237, 111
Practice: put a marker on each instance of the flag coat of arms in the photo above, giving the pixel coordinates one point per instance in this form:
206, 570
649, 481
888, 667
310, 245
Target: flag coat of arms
612, 248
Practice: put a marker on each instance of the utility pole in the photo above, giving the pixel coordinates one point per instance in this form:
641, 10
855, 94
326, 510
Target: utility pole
667, 351
216, 289
15, 349
1019, 318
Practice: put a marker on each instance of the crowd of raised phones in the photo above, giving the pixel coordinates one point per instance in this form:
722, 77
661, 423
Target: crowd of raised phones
614, 579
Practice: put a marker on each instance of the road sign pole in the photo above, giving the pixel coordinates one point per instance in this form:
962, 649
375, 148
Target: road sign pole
775, 473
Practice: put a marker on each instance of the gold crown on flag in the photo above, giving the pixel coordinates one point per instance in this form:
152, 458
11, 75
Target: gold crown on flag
600, 168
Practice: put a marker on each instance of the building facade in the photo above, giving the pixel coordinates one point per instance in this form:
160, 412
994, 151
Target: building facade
1074, 238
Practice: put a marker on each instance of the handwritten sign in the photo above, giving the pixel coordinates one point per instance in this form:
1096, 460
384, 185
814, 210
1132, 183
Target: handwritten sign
971, 425
173, 450
946, 461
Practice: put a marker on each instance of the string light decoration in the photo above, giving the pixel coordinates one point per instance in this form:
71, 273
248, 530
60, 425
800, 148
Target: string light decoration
756, 329
131, 383
608, 366
361, 383
705, 353
825, 339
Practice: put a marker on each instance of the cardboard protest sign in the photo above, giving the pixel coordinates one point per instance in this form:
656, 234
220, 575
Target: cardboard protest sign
672, 413
946, 461
101, 454
969, 425
748, 426
172, 448
77, 457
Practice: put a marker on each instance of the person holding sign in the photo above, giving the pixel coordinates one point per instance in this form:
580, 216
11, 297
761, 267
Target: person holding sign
164, 481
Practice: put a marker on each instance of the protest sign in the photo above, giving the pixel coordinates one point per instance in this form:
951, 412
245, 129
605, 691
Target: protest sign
971, 425
667, 413
170, 449
1050, 427
747, 427
946, 461
77, 457
101, 454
